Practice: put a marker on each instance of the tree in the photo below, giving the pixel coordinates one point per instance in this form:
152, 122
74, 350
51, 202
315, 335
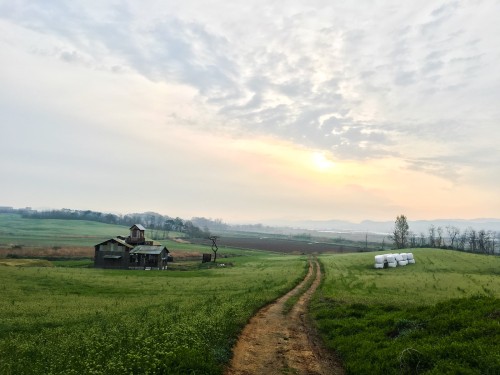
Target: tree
401, 232
472, 238
453, 234
214, 246
432, 236
439, 239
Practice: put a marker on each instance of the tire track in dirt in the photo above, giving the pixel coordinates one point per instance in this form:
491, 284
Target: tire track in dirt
273, 343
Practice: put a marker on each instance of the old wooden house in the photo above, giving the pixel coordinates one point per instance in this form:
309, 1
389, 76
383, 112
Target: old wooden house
132, 252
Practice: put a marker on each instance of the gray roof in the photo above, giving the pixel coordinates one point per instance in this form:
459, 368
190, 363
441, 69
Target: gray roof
117, 240
147, 249
139, 226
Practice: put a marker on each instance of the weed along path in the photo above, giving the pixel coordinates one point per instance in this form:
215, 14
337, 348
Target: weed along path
279, 340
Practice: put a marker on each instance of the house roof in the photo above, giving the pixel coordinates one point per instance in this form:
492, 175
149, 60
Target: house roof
138, 226
116, 240
146, 249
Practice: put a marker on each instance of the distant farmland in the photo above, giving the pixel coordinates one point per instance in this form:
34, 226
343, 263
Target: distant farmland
286, 245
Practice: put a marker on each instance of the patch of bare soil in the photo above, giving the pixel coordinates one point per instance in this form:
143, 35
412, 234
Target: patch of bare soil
273, 343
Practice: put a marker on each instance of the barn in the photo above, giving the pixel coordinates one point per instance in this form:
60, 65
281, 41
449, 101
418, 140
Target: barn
132, 252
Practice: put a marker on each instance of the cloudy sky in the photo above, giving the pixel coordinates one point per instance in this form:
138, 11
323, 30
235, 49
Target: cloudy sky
252, 111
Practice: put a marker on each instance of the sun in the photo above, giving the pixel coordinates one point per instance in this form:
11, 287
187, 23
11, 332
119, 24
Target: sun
321, 162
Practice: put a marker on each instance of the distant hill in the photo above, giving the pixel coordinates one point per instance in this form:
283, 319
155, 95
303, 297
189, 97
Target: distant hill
416, 226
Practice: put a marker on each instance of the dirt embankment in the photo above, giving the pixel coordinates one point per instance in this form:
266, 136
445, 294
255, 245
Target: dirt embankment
274, 343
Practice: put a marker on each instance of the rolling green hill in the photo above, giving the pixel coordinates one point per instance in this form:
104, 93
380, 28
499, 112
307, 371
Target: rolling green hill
16, 230
438, 316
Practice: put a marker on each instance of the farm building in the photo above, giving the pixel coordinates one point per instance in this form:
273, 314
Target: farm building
132, 252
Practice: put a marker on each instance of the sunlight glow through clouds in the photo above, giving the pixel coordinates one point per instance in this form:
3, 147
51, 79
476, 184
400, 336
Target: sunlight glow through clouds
321, 162
313, 110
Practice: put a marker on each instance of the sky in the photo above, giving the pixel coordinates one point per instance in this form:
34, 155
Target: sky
252, 111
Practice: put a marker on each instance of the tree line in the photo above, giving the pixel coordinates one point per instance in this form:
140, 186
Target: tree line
450, 237
158, 225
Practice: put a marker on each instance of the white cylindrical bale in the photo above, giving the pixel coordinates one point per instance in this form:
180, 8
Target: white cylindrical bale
392, 264
379, 259
410, 256
399, 258
379, 265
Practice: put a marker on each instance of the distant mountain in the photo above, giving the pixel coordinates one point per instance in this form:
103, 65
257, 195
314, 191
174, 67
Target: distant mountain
416, 226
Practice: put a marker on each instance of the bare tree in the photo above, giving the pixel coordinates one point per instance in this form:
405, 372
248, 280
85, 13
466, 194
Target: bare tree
453, 233
482, 241
422, 239
413, 239
439, 239
462, 240
432, 236
400, 232
214, 246
472, 239
494, 235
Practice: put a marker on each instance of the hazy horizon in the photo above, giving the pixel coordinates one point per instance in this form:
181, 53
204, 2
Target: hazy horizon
252, 112
304, 223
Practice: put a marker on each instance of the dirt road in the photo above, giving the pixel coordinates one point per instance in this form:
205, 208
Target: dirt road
273, 343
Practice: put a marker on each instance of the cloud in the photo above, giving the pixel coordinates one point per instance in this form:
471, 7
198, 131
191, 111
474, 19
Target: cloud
421, 87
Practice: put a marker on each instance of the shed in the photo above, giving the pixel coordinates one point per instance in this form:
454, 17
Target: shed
147, 256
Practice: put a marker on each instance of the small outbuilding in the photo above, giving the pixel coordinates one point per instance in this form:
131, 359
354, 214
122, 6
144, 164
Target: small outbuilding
149, 257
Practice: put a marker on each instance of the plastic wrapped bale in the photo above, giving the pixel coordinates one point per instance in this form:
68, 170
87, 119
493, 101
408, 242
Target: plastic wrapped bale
391, 258
402, 262
379, 259
409, 256
404, 256
392, 264
379, 265
399, 258
411, 261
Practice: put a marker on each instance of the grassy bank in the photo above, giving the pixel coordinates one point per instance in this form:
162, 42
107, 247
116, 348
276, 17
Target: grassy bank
438, 316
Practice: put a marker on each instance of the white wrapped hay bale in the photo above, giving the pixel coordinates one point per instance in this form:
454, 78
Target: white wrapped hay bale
402, 262
399, 258
409, 256
411, 261
379, 259
391, 258
379, 265
392, 264
404, 256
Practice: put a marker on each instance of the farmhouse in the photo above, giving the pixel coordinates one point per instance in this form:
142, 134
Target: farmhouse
132, 252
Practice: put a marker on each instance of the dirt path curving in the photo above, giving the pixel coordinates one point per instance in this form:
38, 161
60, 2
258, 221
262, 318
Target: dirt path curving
273, 343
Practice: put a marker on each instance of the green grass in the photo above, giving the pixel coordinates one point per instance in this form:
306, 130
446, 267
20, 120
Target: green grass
64, 320
438, 316
15, 230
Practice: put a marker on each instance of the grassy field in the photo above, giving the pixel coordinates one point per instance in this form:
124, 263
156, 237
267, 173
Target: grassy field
57, 320
18, 231
438, 316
